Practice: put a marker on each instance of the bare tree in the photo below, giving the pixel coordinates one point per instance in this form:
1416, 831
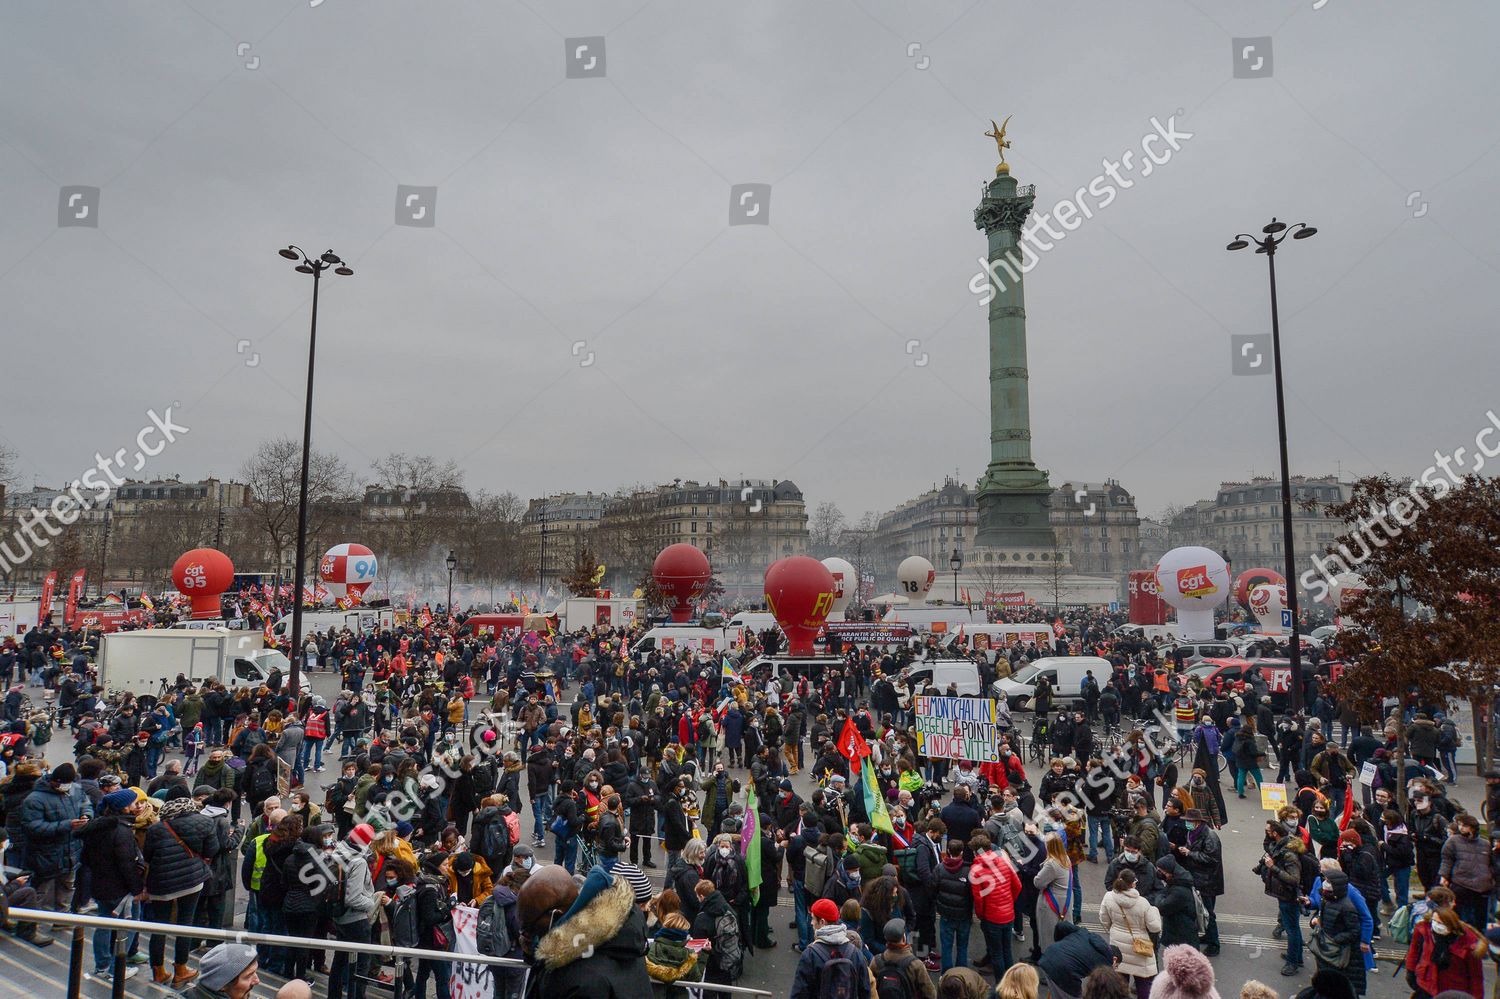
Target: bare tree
631, 532
824, 530
489, 537
418, 472
273, 475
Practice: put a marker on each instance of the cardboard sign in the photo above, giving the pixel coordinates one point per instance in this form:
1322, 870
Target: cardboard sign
957, 728
1272, 797
1367, 774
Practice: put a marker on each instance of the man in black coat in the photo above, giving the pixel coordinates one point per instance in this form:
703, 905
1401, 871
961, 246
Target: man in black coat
640, 801
583, 942
1203, 857
1068, 961
113, 861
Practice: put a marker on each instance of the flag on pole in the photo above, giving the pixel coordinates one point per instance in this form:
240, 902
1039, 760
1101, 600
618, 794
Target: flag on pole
880, 816
729, 673
851, 744
750, 844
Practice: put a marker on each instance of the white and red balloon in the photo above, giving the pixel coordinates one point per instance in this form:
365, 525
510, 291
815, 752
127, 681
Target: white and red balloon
348, 570
1194, 580
915, 576
1267, 601
845, 585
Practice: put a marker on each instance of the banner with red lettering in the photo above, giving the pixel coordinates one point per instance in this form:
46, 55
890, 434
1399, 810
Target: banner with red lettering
75, 590
49, 589
1146, 605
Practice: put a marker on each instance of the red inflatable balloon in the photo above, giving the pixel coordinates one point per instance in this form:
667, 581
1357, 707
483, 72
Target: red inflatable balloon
1250, 579
800, 591
203, 574
682, 572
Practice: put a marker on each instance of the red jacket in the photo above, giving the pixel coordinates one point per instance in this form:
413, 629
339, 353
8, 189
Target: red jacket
1465, 971
1003, 775
995, 885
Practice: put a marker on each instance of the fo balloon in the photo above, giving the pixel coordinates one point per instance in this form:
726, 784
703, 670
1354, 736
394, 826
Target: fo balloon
800, 593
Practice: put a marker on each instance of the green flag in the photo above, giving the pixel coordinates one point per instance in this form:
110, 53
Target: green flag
750, 844
880, 816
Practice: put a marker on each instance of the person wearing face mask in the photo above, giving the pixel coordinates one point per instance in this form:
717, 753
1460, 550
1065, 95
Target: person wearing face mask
49, 819
1133, 857
716, 791
1203, 857
1397, 855
307, 890
1464, 868
1446, 955
1336, 929
1429, 831
352, 924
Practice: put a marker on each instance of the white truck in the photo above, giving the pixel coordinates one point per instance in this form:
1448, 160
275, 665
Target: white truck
576, 613
360, 620
18, 616
140, 660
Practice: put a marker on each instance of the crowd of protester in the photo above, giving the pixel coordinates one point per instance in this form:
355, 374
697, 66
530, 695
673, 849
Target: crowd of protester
592, 805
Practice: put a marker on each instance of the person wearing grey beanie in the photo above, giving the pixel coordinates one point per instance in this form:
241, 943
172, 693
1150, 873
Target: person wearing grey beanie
228, 970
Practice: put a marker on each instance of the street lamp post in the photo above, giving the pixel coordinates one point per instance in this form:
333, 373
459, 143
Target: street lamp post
956, 562
314, 266
1273, 234
452, 562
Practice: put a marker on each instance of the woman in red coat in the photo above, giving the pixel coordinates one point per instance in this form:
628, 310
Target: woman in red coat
1446, 953
996, 886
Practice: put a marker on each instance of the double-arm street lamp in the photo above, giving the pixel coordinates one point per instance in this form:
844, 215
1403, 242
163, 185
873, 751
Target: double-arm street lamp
314, 266
1272, 236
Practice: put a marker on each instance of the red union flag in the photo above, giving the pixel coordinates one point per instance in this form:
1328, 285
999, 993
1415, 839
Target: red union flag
851, 744
45, 604
1194, 582
75, 590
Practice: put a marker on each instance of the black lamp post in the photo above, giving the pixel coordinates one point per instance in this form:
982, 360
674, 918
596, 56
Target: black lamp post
955, 562
314, 266
1273, 235
452, 561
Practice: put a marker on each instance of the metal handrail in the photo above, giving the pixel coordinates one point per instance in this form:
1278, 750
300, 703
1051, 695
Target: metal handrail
246, 937
80, 922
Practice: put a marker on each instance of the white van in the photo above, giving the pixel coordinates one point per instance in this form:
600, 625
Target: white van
360, 620
671, 639
753, 621
937, 619
1150, 632
1065, 672
961, 673
994, 639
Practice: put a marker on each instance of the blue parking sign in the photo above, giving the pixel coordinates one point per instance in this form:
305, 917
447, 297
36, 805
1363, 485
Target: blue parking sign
1286, 619
1114, 606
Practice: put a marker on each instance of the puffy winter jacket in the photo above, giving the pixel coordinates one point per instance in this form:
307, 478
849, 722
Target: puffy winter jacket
112, 857
1466, 863
1075, 953
995, 886
172, 868
1205, 861
46, 819
953, 896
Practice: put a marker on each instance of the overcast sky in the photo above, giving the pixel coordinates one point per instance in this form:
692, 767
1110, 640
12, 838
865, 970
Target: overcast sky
581, 315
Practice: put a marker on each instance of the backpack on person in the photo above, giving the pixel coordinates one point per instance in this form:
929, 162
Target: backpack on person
728, 953
1200, 913
1400, 925
1310, 870
262, 782
815, 875
837, 976
891, 981
402, 915
492, 932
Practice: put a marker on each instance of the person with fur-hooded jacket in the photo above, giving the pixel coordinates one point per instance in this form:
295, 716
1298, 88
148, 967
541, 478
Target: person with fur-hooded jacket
583, 941
1185, 974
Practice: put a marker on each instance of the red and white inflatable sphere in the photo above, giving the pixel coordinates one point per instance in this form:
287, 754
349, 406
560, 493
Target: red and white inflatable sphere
800, 592
348, 570
682, 573
203, 574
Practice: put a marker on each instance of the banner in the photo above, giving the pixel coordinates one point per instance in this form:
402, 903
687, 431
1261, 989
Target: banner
1145, 605
1016, 599
49, 587
750, 843
467, 980
875, 806
868, 632
957, 728
75, 590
